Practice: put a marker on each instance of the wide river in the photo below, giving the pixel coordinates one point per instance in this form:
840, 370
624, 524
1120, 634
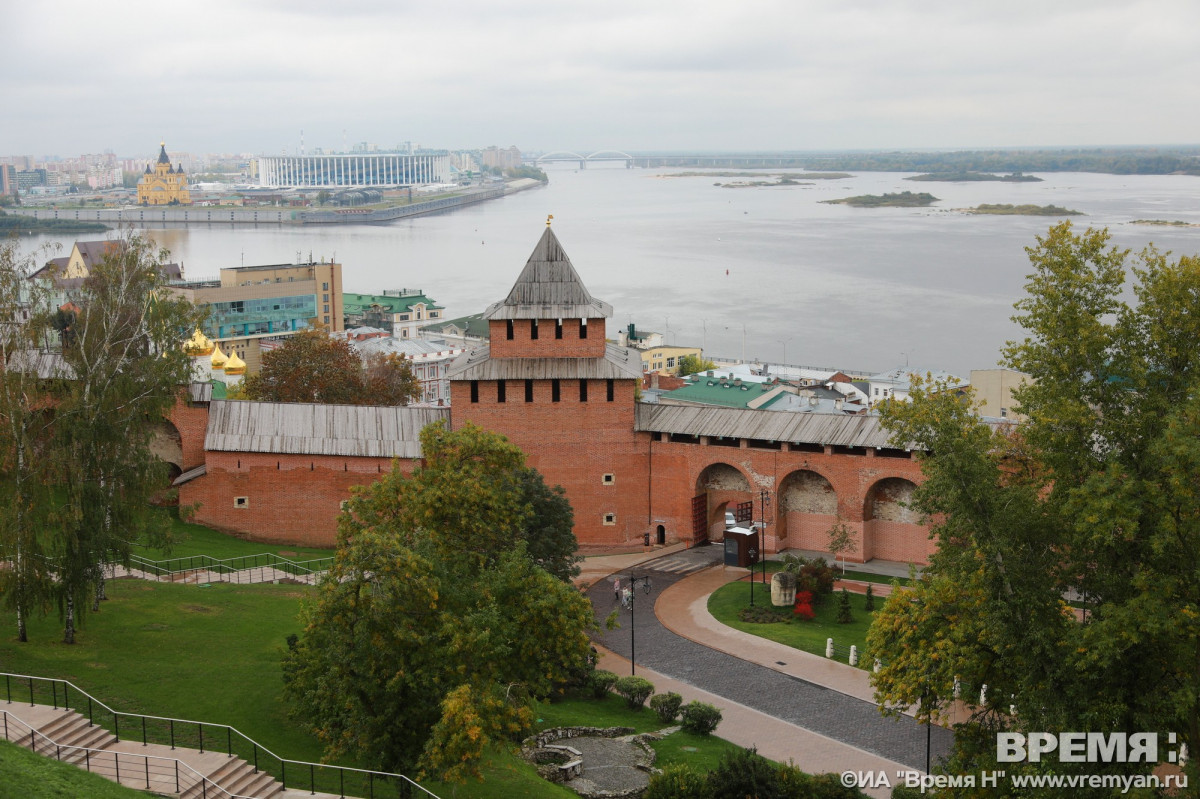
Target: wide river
768, 273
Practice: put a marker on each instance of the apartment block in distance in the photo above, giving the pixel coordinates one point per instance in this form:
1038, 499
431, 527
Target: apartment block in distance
253, 308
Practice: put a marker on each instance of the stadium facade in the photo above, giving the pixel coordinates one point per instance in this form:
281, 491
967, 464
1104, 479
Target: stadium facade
353, 169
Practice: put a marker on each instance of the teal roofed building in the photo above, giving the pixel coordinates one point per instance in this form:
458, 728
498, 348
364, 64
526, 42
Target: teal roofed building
401, 312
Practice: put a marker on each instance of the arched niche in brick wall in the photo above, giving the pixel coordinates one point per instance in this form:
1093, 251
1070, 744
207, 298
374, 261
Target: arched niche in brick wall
890, 500
167, 445
892, 528
725, 486
808, 507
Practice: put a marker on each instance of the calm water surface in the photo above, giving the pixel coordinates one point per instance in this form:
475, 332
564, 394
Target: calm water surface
769, 272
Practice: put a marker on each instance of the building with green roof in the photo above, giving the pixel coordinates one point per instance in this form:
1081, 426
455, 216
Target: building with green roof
400, 312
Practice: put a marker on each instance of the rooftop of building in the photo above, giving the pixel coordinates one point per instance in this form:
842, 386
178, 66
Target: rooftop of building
473, 325
548, 288
400, 302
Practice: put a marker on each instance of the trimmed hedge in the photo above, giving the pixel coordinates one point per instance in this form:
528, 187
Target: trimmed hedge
700, 718
666, 706
636, 690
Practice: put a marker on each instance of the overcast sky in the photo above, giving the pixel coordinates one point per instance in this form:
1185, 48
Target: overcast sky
80, 76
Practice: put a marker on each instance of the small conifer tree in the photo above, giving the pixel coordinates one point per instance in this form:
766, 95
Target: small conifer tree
844, 615
870, 598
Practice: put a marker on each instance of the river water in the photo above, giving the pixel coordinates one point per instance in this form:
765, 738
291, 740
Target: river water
766, 272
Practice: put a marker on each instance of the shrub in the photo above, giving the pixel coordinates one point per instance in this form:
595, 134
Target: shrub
794, 783
870, 598
676, 781
744, 772
601, 682
804, 609
699, 718
666, 706
636, 690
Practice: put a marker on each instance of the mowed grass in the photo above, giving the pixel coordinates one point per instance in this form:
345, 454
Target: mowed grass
24, 775
203, 654
809, 636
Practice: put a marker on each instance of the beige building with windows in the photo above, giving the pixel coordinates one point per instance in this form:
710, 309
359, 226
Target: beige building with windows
666, 358
254, 308
994, 392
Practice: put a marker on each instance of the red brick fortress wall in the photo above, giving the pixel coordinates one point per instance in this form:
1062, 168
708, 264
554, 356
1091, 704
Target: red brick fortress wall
292, 499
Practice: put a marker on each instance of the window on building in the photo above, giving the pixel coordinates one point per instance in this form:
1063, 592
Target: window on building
583, 390
608, 479
324, 287
533, 329
241, 502
501, 391
1004, 413
324, 298
555, 390
529, 391
610, 518
583, 328
670, 363
611, 389
326, 309
508, 333
474, 391
558, 328
326, 320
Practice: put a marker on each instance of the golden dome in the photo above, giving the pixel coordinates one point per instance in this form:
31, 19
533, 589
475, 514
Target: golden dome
218, 357
199, 344
235, 365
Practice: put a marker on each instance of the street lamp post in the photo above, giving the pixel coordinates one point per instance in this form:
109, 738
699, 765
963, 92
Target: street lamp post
764, 498
633, 584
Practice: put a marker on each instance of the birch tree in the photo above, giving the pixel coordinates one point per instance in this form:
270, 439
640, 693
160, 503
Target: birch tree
124, 350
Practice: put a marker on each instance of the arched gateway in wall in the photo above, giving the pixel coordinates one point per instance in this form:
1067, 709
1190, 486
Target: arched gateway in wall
720, 487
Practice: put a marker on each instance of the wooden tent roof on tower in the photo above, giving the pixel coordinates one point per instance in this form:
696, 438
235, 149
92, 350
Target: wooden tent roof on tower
548, 288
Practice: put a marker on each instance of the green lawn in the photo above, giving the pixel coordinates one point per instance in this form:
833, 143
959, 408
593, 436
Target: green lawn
24, 775
809, 636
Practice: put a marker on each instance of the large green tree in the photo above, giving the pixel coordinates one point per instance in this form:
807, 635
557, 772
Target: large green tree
313, 367
126, 368
438, 625
26, 369
1094, 498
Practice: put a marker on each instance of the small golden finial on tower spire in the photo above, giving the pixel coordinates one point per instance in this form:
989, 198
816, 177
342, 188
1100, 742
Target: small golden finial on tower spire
548, 218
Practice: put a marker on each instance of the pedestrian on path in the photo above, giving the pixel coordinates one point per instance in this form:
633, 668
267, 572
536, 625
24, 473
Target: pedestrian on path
616, 589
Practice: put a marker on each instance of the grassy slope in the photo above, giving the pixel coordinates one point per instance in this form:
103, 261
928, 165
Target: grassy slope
194, 539
24, 775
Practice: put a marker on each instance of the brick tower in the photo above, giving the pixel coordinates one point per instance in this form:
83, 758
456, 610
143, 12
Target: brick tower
550, 382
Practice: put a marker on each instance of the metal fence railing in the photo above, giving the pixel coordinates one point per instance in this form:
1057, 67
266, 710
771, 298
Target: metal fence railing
261, 568
341, 781
141, 772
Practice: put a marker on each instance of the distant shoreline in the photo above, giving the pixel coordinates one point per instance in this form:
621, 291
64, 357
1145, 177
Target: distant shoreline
965, 177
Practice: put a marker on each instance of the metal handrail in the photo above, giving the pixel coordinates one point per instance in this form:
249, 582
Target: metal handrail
24, 732
190, 564
166, 734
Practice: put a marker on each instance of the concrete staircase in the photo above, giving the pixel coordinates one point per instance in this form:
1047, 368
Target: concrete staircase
68, 735
238, 778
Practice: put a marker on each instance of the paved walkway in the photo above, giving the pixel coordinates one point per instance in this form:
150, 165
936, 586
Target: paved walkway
790, 704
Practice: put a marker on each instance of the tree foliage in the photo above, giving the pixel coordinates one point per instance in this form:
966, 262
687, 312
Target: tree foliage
313, 367
25, 414
437, 628
126, 368
691, 364
1094, 497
